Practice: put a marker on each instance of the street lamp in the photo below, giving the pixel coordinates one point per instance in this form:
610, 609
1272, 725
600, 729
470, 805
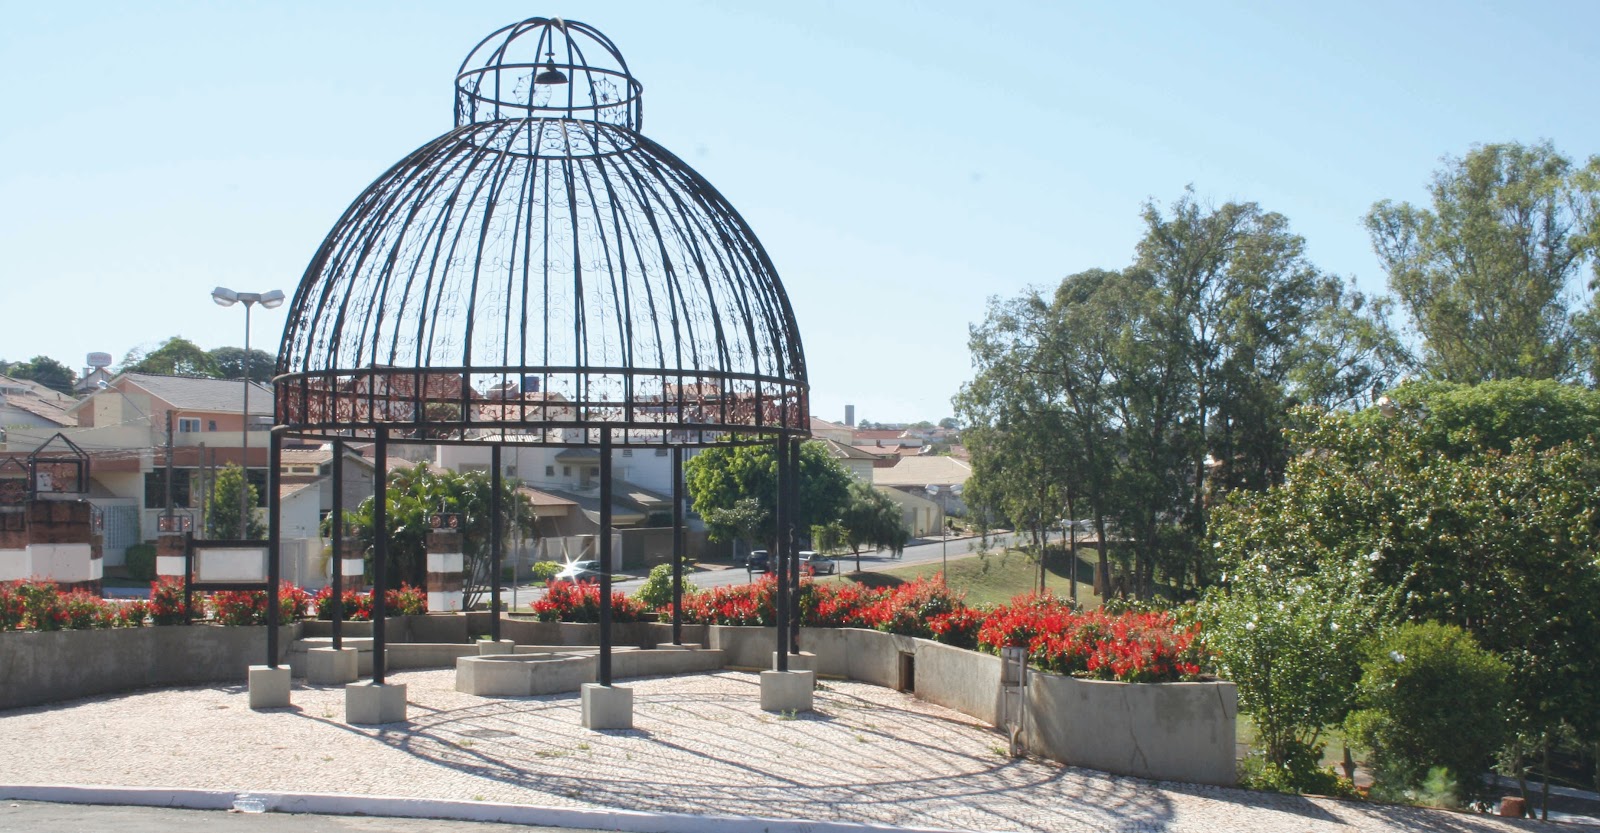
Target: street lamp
226, 298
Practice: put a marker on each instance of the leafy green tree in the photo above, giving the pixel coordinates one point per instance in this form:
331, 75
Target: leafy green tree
414, 494
1499, 543
222, 508
1431, 698
656, 592
1459, 419
717, 478
177, 356
1488, 275
233, 363
45, 371
743, 521
871, 519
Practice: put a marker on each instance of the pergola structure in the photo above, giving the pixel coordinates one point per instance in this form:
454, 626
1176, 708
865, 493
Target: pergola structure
544, 243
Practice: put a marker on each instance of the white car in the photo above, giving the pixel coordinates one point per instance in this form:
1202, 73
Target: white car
813, 563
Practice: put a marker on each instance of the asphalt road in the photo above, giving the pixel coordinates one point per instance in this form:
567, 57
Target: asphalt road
718, 574
36, 817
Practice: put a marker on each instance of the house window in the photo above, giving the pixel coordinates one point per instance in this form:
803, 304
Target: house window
155, 488
188, 425
627, 452
511, 471
566, 471
549, 471
661, 452
211, 425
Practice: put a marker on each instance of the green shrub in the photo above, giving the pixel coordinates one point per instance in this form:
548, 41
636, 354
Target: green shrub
656, 592
1430, 698
141, 563
1299, 772
543, 571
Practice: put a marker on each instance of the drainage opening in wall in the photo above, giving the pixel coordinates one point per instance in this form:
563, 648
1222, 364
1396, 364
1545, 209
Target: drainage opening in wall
908, 672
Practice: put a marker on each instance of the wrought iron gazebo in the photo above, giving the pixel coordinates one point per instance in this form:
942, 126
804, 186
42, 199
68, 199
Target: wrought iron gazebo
544, 244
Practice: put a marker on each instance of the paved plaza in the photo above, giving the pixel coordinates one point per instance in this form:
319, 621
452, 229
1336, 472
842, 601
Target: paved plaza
701, 745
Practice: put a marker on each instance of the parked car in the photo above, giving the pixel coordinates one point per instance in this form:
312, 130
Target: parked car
815, 563
580, 571
758, 562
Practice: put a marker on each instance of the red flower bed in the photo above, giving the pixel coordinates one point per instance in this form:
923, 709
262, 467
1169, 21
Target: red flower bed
1130, 647
580, 602
404, 600
752, 604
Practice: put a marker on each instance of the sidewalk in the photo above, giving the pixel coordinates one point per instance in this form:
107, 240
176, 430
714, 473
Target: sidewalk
701, 748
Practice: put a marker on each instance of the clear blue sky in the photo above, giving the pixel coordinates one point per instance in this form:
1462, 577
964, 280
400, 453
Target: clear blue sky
901, 161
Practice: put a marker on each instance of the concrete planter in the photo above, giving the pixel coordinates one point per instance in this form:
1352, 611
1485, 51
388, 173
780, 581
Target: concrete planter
1167, 731
37, 668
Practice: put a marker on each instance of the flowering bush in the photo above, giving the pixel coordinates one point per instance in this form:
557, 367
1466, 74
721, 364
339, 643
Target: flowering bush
354, 606
959, 627
11, 605
239, 607
907, 608
86, 610
132, 614
43, 609
166, 602
1130, 647
836, 605
404, 600
580, 602
751, 604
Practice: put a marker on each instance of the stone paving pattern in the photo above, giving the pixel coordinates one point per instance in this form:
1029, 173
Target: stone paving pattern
700, 745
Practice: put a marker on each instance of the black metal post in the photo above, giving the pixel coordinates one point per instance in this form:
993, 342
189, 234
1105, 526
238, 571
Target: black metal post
605, 556
794, 545
677, 545
380, 546
188, 578
274, 540
337, 607
495, 534
779, 557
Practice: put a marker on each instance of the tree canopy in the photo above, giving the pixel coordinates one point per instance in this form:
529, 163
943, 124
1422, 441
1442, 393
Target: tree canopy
43, 370
1118, 387
232, 363
1489, 276
717, 478
177, 356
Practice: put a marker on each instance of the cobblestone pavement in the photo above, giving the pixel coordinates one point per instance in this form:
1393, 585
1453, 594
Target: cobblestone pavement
700, 745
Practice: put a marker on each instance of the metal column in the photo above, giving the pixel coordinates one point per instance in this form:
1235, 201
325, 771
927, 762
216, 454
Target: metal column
380, 547
605, 556
677, 545
780, 557
274, 515
495, 534
336, 606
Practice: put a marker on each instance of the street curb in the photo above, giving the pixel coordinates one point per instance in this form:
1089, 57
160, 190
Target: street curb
335, 804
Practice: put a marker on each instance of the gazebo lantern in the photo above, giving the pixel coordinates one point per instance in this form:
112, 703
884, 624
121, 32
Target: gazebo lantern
545, 238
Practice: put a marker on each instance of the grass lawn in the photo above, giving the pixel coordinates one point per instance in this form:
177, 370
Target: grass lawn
994, 578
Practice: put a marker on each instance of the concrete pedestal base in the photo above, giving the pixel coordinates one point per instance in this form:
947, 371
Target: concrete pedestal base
787, 691
269, 687
607, 707
489, 647
369, 704
797, 662
687, 646
326, 666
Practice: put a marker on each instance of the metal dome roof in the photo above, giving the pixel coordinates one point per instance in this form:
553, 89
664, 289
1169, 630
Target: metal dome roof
545, 270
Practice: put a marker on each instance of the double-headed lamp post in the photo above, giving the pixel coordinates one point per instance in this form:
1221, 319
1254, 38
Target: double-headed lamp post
226, 298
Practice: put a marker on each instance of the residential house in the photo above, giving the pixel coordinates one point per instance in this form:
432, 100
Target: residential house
935, 478
123, 427
28, 404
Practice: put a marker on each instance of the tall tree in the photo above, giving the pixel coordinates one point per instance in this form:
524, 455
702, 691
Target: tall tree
871, 519
719, 477
233, 363
45, 371
177, 356
1489, 275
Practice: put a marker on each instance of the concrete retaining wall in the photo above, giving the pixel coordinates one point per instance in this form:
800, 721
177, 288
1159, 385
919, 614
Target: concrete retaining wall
56, 666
